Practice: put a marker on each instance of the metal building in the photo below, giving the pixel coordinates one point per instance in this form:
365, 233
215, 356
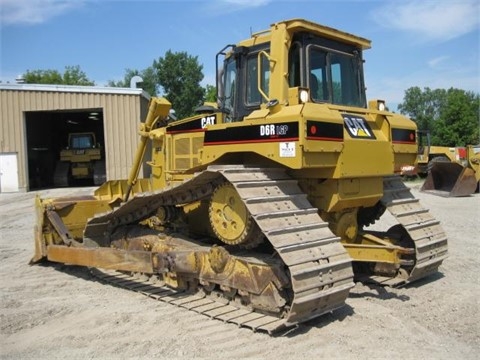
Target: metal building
35, 121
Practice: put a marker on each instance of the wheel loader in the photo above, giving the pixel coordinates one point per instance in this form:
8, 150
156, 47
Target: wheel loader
258, 208
449, 171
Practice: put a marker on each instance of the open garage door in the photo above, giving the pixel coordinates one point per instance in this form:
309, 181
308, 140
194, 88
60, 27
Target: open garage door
49, 134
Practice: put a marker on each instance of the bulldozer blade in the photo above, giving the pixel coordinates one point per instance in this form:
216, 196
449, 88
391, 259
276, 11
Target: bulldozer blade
450, 179
114, 190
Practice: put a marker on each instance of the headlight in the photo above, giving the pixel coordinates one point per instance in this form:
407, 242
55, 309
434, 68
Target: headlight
377, 105
303, 96
381, 105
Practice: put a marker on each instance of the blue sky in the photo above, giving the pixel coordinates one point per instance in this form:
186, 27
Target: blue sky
425, 43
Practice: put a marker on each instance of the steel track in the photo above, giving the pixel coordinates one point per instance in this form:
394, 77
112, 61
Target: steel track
318, 266
428, 236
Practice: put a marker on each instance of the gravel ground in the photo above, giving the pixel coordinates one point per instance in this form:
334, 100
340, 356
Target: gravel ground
57, 312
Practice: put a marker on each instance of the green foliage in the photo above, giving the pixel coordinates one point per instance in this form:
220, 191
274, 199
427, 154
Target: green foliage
179, 75
459, 122
149, 80
423, 106
210, 93
452, 116
73, 75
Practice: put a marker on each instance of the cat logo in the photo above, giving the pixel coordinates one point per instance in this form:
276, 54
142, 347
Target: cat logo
208, 120
358, 127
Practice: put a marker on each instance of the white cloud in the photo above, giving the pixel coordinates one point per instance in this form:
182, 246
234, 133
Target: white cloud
34, 11
437, 62
431, 19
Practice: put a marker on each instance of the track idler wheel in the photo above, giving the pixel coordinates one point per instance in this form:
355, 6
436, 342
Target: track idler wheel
230, 219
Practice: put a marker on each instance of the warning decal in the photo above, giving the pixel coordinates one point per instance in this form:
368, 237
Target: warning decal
287, 149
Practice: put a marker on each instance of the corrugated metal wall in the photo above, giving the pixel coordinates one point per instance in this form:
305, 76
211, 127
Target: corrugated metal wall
122, 112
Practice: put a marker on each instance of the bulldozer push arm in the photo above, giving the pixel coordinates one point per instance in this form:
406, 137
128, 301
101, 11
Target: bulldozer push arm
158, 110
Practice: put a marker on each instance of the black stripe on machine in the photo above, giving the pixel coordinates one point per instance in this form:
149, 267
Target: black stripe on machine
194, 125
403, 136
253, 133
319, 130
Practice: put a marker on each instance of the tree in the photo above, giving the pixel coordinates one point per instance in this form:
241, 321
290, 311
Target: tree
73, 75
458, 124
148, 75
210, 93
179, 76
422, 106
452, 116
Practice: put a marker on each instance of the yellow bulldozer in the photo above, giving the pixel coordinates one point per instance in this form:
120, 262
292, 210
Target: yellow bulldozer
258, 208
449, 171
82, 158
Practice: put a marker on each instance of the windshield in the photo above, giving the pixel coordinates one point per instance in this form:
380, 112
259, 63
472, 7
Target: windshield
334, 77
81, 141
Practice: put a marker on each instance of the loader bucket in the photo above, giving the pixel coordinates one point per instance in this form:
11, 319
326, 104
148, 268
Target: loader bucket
450, 179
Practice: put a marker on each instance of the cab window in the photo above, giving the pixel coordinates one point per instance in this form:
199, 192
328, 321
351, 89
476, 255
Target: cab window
334, 77
81, 141
253, 96
294, 66
229, 86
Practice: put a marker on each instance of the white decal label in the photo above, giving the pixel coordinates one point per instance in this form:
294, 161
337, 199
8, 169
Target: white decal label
287, 149
208, 120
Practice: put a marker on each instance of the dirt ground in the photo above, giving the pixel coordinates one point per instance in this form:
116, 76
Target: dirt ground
50, 312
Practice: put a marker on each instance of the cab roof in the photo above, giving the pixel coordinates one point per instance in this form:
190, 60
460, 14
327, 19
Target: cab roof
299, 25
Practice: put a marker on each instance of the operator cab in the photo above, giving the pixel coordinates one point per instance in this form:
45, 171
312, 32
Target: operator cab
332, 71
81, 141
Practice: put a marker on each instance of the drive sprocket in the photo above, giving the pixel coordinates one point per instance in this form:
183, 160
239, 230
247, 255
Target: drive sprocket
230, 220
